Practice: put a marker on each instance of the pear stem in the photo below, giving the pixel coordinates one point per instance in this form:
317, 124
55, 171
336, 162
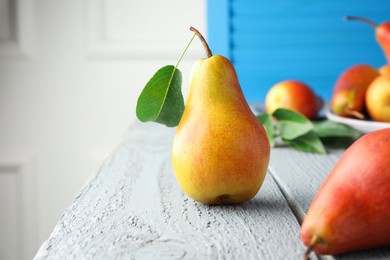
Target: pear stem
314, 242
355, 114
306, 256
362, 19
202, 39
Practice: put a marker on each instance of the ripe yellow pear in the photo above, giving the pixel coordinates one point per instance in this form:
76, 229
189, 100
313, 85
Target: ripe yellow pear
378, 98
385, 69
220, 151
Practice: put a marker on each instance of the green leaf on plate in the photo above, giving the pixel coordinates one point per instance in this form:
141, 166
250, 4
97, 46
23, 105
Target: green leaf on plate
338, 142
161, 100
336, 135
329, 128
309, 142
292, 124
266, 120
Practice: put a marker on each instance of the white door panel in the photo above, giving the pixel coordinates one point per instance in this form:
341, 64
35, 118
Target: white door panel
17, 206
10, 207
70, 75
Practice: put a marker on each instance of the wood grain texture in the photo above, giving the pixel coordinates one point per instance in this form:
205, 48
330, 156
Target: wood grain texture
134, 209
299, 176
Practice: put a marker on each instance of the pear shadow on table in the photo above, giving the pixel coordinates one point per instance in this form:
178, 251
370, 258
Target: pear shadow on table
266, 203
260, 203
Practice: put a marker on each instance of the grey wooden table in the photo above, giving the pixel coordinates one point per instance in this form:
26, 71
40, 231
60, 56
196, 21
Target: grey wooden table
134, 209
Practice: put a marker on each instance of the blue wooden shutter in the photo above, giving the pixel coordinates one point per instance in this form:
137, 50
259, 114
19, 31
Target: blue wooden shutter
271, 41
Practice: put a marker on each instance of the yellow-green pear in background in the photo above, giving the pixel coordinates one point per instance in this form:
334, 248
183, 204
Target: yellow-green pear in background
220, 151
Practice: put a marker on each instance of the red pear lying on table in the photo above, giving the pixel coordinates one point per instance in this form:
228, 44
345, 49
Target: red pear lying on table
350, 90
351, 211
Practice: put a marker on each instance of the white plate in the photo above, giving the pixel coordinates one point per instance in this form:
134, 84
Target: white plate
364, 126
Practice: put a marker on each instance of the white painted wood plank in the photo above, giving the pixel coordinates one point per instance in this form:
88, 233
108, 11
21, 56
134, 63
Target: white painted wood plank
299, 176
134, 209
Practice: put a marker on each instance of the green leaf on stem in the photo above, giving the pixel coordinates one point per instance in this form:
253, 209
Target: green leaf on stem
162, 100
266, 120
292, 124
